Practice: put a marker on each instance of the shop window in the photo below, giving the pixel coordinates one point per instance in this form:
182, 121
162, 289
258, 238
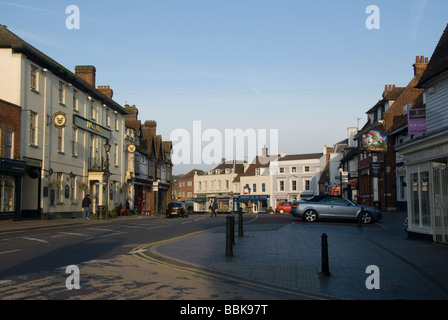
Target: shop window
420, 205
7, 194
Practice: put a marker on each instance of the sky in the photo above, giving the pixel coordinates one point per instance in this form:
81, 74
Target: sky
305, 69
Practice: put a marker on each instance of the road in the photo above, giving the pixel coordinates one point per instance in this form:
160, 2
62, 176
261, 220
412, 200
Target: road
34, 264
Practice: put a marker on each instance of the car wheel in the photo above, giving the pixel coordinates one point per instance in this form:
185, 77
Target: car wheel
310, 215
366, 217
282, 211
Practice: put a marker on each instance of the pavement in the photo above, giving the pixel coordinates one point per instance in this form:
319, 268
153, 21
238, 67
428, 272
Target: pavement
373, 262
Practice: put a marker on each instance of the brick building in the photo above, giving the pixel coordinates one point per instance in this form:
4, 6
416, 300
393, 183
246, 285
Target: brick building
377, 156
11, 168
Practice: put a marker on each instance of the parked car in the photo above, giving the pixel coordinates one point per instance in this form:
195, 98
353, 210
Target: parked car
176, 209
332, 207
283, 207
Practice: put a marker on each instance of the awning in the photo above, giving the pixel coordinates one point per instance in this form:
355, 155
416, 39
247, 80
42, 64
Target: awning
252, 198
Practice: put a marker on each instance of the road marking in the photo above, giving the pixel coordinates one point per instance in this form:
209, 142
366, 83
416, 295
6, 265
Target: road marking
73, 234
138, 251
35, 239
10, 251
98, 229
153, 257
106, 235
158, 227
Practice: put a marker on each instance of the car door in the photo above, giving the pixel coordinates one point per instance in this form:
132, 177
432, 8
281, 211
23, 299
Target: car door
322, 207
342, 209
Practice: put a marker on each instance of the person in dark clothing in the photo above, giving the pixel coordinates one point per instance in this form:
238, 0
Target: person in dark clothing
213, 206
86, 202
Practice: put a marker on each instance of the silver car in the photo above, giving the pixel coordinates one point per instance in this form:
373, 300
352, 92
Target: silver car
326, 207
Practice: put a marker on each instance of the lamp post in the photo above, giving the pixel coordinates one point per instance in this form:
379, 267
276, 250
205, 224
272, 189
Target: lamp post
107, 173
340, 179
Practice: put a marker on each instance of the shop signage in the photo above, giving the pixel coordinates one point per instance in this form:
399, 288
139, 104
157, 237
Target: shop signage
375, 169
374, 140
416, 121
59, 119
92, 127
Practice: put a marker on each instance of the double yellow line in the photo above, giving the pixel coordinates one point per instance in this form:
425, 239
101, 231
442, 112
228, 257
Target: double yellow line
146, 252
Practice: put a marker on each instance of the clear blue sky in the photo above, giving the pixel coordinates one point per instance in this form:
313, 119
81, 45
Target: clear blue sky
307, 68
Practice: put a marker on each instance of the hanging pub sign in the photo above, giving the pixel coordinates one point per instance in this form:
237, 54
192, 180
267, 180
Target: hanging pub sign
416, 121
59, 119
375, 141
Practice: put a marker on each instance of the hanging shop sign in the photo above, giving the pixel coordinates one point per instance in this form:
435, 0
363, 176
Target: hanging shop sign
131, 148
374, 140
59, 119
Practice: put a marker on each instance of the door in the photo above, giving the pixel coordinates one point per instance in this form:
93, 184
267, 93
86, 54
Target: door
440, 202
341, 209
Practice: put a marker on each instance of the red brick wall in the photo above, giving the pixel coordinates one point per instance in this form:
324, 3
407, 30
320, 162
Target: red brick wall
9, 119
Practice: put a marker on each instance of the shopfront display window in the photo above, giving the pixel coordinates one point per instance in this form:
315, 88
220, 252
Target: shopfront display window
7, 194
420, 200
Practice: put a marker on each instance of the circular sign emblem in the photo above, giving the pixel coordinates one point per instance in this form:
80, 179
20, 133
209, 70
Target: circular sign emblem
131, 148
59, 119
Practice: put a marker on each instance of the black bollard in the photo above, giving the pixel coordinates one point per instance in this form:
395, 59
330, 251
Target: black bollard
233, 229
229, 249
325, 264
240, 222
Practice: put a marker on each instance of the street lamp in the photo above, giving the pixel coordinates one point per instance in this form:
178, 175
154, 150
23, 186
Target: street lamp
107, 173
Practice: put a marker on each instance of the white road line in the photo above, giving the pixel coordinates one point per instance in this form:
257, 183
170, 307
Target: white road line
169, 225
134, 227
98, 229
35, 239
10, 251
106, 235
74, 234
138, 251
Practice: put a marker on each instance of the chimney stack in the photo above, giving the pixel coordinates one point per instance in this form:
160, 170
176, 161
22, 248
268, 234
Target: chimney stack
389, 87
133, 113
151, 125
107, 91
86, 73
420, 65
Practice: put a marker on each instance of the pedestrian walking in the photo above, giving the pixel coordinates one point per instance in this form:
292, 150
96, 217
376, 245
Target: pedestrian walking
86, 202
213, 206
128, 208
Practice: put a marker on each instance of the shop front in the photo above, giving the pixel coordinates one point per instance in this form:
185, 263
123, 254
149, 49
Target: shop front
11, 173
253, 203
427, 187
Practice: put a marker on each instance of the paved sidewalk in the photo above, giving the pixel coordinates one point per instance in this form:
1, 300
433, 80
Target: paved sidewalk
289, 255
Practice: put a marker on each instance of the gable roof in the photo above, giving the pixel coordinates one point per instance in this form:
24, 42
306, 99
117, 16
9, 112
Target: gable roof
438, 63
307, 156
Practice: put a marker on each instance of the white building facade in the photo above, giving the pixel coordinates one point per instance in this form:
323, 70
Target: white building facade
65, 125
426, 157
295, 177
